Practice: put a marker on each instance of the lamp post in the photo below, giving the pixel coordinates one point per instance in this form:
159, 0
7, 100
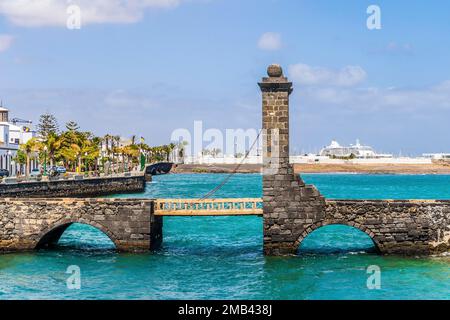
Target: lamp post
13, 168
85, 163
8, 157
142, 159
78, 162
45, 161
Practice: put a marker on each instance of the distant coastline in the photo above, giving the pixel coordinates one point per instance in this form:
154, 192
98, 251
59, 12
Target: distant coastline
434, 168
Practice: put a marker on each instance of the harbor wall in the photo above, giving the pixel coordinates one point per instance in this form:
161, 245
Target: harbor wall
87, 187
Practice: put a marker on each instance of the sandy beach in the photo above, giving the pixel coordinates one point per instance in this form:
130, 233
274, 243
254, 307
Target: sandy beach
435, 168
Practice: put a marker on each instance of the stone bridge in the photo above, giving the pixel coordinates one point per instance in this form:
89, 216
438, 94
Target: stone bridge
291, 210
134, 225
404, 227
27, 224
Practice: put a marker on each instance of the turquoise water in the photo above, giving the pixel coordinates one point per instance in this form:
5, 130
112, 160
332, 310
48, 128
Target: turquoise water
221, 257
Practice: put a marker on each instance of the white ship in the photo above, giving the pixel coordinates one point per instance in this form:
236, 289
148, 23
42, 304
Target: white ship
359, 151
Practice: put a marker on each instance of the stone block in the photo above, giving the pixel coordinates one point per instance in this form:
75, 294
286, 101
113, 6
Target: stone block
10, 180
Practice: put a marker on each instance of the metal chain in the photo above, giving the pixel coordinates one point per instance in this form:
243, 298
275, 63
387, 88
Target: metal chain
225, 181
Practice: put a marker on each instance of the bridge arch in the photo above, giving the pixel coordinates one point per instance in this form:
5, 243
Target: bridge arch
311, 228
51, 235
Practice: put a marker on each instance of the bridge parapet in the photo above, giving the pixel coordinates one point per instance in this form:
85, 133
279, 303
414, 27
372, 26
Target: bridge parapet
208, 207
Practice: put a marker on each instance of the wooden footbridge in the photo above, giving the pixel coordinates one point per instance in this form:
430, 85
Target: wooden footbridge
209, 207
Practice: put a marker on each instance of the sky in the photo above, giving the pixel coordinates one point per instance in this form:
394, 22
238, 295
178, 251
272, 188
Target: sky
149, 67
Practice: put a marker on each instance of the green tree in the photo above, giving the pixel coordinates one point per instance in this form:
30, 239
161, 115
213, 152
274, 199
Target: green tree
20, 158
72, 126
47, 125
70, 146
69, 154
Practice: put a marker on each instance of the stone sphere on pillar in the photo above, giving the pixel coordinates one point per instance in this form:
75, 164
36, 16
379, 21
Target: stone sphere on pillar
275, 71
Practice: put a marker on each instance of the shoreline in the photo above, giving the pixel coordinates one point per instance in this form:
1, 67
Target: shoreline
380, 169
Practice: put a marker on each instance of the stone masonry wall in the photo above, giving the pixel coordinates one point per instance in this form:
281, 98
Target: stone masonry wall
90, 187
34, 223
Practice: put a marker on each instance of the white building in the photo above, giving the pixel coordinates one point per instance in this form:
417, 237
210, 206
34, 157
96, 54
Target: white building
222, 159
342, 155
437, 156
11, 136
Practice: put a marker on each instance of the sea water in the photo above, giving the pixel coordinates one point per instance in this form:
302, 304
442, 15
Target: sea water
221, 257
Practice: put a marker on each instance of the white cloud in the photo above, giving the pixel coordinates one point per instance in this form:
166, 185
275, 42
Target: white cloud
37, 13
121, 99
414, 100
308, 75
270, 41
394, 49
5, 42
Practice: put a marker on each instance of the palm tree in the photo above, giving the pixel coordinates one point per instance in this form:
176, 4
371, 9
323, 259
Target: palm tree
53, 143
134, 152
170, 149
70, 154
133, 139
181, 150
117, 141
69, 150
20, 158
96, 150
30, 149
108, 139
146, 150
86, 146
166, 151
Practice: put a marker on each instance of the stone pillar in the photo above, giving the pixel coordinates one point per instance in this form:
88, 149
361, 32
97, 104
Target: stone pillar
275, 90
289, 205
